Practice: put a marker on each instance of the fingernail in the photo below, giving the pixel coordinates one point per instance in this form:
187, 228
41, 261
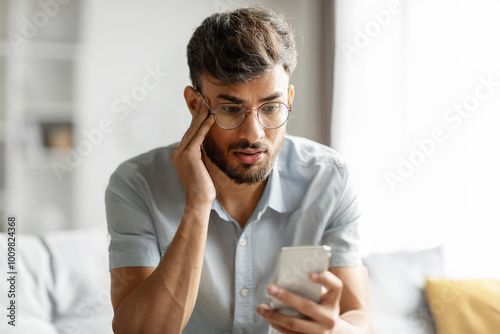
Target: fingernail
273, 289
314, 276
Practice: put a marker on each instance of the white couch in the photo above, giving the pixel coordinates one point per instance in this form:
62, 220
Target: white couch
63, 283
397, 300
63, 286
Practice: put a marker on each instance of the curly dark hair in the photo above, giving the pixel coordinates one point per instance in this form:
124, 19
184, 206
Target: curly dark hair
241, 45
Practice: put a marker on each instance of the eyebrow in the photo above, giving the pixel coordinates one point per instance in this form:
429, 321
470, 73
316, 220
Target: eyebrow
234, 99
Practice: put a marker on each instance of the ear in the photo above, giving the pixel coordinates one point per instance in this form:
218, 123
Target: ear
291, 94
191, 96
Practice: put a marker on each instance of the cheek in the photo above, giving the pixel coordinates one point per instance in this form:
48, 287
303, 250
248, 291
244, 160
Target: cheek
275, 137
215, 133
220, 137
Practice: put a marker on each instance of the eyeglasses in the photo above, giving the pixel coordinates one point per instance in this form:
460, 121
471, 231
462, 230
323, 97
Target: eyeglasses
228, 116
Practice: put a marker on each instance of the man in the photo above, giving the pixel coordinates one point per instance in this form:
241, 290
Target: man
196, 227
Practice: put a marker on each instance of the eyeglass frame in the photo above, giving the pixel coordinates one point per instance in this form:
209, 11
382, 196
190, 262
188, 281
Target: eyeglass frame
212, 111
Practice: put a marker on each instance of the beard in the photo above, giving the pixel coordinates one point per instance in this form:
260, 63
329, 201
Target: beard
246, 173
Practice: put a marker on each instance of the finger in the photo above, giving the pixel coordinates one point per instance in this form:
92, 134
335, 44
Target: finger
303, 305
286, 324
333, 285
186, 138
200, 135
201, 111
194, 140
200, 116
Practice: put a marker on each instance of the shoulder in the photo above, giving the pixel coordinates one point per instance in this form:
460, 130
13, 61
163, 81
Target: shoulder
304, 152
148, 161
314, 179
148, 166
303, 164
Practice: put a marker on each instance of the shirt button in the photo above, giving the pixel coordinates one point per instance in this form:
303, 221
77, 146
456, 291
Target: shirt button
243, 241
244, 292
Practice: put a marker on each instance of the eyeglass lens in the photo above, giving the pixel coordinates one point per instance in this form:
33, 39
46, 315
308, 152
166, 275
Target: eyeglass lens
271, 115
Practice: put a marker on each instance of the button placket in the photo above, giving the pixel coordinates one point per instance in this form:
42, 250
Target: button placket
243, 241
243, 316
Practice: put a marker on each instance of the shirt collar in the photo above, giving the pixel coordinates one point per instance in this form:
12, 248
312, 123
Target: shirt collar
272, 197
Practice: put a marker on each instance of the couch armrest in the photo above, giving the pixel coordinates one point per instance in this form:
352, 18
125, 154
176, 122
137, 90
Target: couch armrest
397, 297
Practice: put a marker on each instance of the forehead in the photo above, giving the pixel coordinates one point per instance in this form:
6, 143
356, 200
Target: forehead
274, 80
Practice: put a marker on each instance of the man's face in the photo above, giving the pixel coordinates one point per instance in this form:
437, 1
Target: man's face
246, 154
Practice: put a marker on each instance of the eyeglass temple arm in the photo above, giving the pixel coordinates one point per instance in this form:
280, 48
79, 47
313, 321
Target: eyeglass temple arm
204, 101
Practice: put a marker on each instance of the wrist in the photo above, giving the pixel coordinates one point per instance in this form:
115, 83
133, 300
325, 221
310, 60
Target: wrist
198, 210
354, 322
199, 198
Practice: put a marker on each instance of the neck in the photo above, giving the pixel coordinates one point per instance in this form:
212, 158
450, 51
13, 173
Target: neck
239, 200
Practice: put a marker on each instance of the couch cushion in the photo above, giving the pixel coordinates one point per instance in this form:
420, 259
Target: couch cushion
81, 280
397, 297
34, 282
465, 306
27, 324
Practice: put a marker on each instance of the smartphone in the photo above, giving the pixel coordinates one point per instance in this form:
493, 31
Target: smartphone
294, 266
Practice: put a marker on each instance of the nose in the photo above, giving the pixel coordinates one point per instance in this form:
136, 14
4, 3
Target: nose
251, 129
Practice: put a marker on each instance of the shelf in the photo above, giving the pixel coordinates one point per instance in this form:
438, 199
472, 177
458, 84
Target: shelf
62, 23
43, 160
48, 80
43, 29
50, 111
41, 143
45, 49
37, 109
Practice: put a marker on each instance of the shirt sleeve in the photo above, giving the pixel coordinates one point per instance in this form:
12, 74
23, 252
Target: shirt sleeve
342, 232
133, 234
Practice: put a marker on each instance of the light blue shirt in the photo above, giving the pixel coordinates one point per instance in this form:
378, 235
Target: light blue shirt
308, 200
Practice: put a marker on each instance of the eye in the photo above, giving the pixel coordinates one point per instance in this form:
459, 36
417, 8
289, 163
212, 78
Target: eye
231, 108
270, 109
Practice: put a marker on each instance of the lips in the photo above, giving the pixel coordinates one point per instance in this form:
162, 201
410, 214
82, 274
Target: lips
249, 156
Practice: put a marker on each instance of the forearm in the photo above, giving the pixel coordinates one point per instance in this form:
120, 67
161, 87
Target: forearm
163, 303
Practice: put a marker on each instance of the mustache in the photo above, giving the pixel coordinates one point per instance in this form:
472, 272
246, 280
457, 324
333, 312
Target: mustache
245, 144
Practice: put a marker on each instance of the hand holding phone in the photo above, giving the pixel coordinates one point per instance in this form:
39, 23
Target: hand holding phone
294, 266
